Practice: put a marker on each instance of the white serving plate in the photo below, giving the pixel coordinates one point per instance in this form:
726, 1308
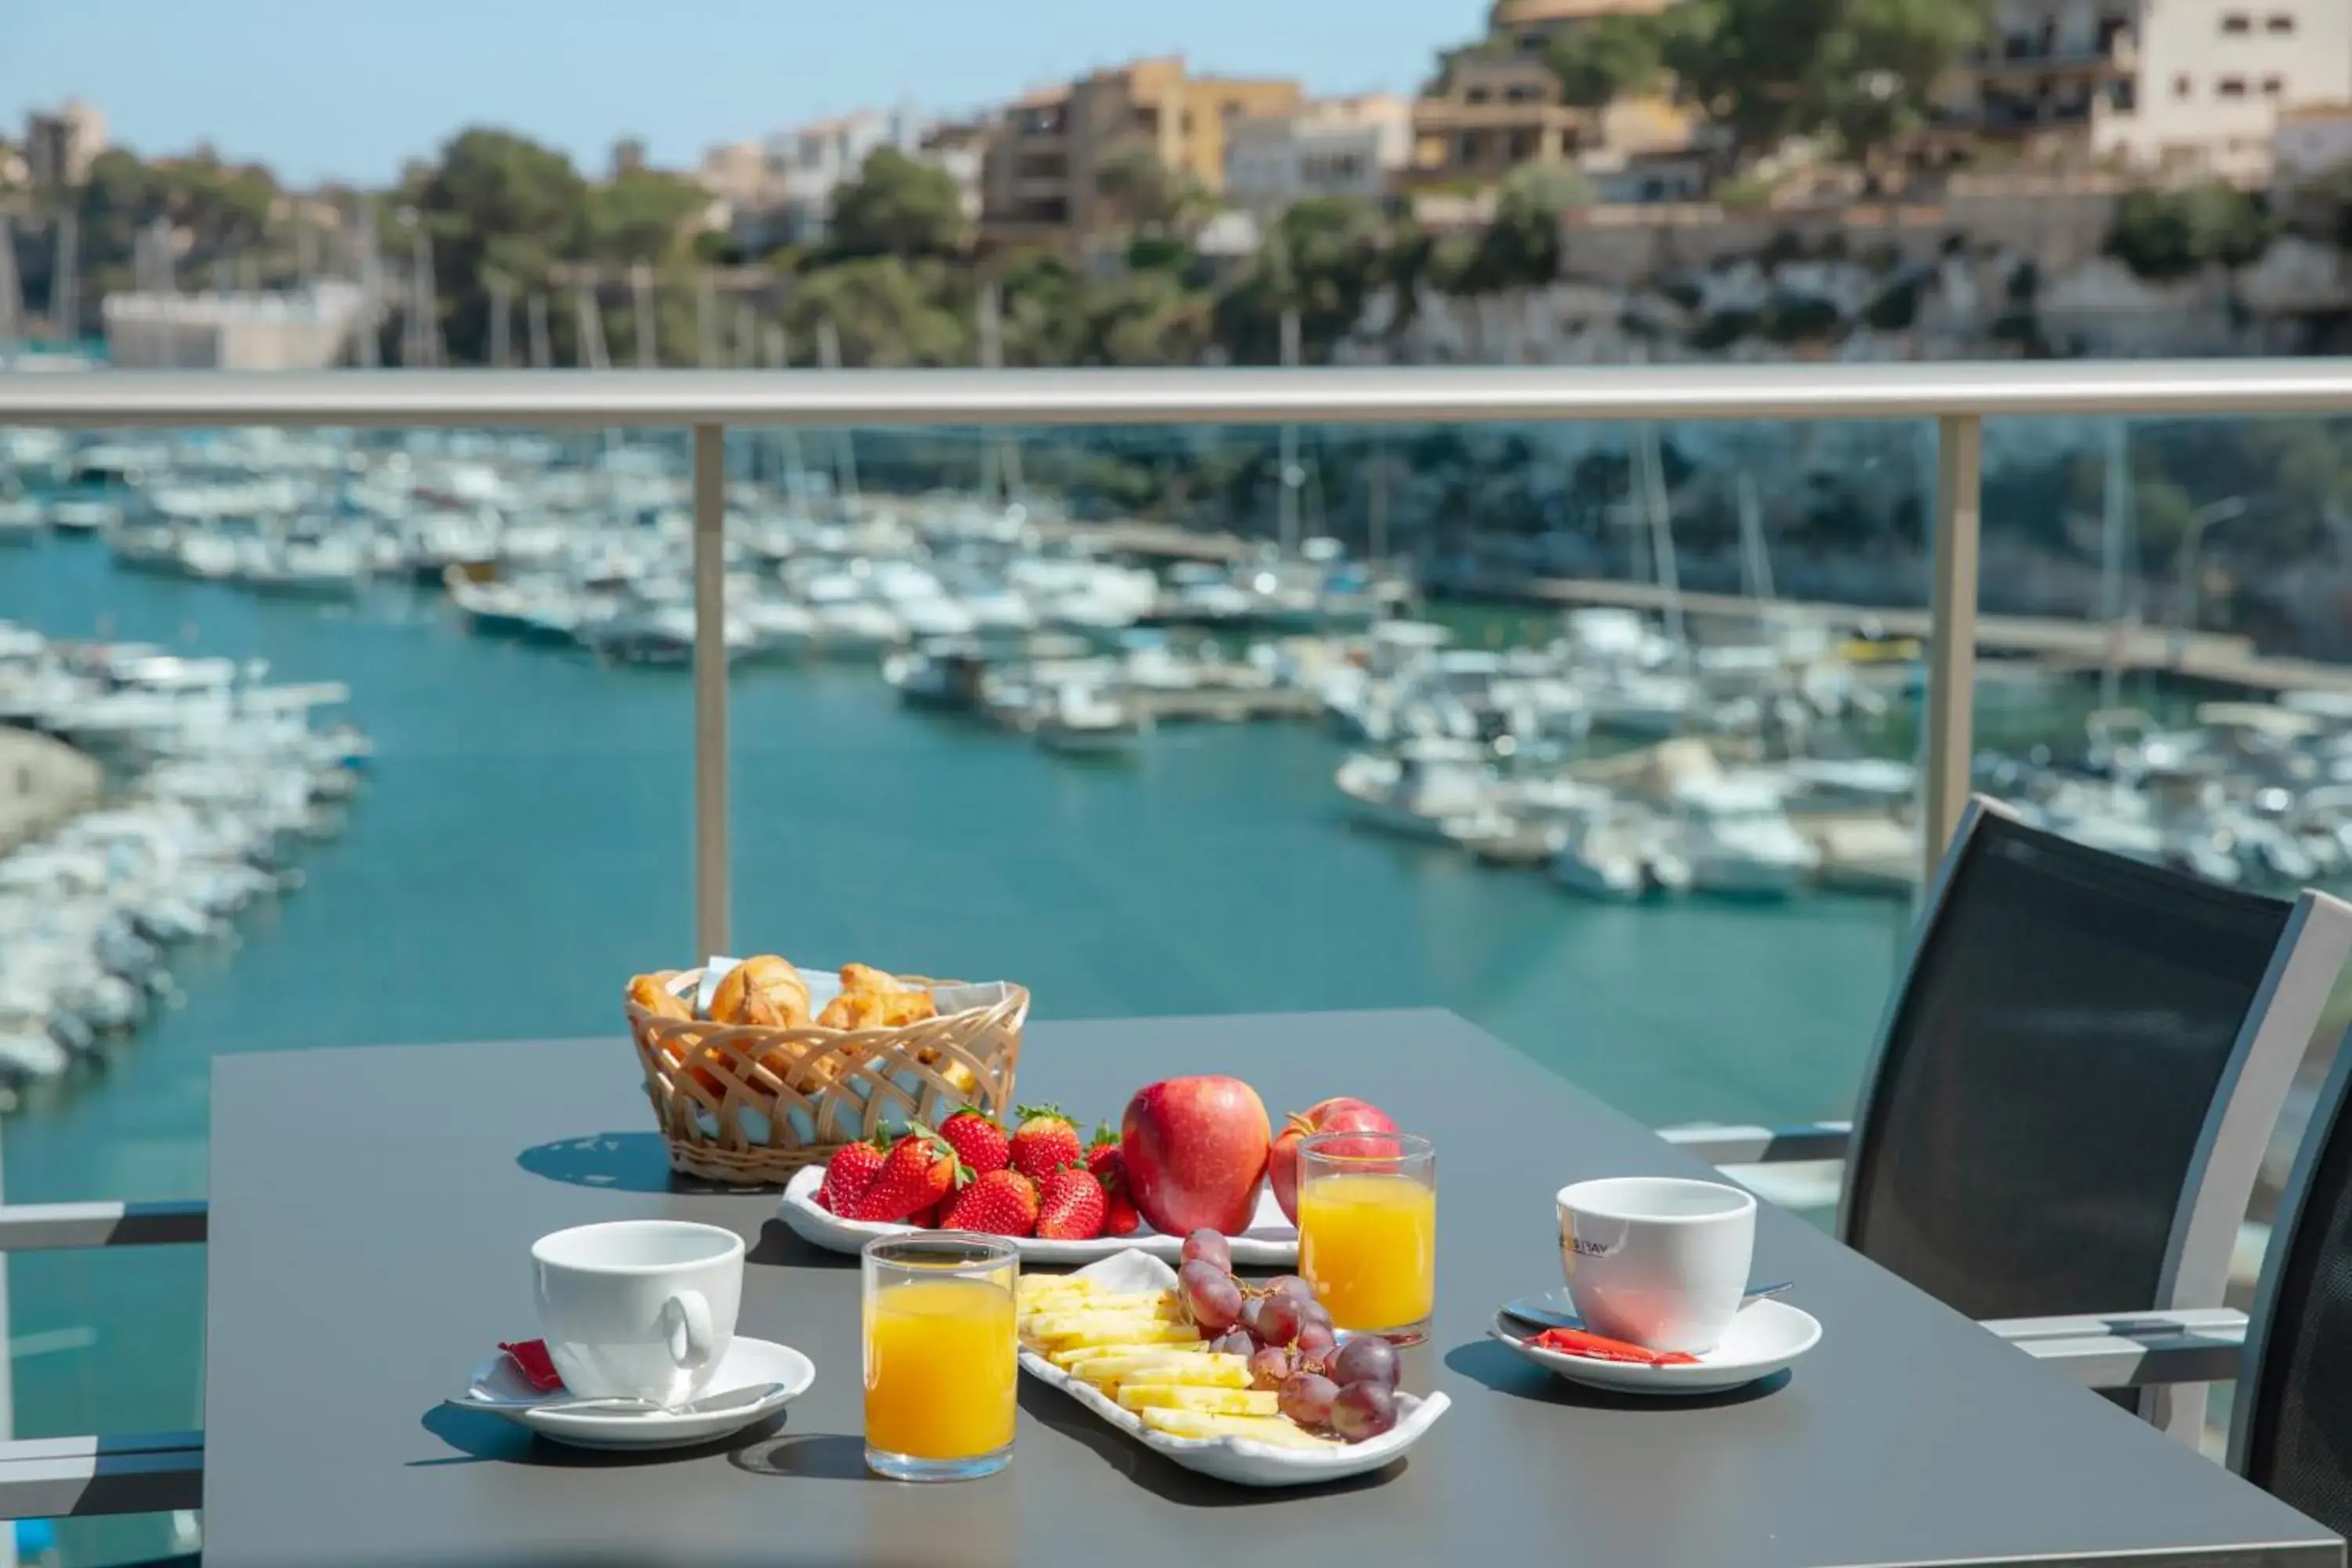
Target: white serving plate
1235, 1459
1271, 1241
1765, 1337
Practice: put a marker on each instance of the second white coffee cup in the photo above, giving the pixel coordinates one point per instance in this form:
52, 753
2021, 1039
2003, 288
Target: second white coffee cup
1659, 1260
639, 1309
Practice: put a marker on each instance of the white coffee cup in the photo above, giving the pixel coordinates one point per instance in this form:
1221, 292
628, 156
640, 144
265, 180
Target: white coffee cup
639, 1309
1658, 1260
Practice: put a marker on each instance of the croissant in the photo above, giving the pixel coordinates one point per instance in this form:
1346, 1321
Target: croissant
652, 992
766, 990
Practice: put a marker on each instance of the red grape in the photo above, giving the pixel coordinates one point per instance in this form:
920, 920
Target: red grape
1292, 1286
1277, 1319
1234, 1341
1206, 1245
1315, 1312
1315, 1340
1363, 1410
1365, 1359
1270, 1365
1211, 1296
1305, 1398
1249, 1319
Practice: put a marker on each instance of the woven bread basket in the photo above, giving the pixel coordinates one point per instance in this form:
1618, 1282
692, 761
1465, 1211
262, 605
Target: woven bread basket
747, 1104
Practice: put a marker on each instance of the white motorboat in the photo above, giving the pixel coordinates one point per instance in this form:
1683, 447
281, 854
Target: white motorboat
1737, 839
1415, 793
1618, 854
83, 514
21, 518
1089, 719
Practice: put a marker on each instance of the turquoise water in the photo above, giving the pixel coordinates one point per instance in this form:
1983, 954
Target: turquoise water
523, 844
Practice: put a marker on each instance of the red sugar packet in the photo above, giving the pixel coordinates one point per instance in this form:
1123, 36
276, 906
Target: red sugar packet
531, 1360
1599, 1347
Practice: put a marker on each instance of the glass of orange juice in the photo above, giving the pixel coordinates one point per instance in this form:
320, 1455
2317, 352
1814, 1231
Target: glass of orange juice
1367, 1230
941, 1358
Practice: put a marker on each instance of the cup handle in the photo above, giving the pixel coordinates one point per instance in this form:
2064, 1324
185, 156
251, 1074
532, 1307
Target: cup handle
685, 1323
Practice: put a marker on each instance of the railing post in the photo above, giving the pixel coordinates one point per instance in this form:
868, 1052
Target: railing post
1951, 634
710, 904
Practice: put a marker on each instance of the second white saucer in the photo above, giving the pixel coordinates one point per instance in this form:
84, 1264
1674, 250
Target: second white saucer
498, 1389
1762, 1339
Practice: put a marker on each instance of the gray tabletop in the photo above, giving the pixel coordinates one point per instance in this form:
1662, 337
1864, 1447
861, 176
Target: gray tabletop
371, 1211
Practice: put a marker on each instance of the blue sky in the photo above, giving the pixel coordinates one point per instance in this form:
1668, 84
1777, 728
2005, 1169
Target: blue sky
348, 88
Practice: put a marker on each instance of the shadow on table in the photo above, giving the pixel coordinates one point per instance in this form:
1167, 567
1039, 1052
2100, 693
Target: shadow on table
480, 1437
807, 1456
778, 1247
1497, 1367
1163, 1476
617, 1162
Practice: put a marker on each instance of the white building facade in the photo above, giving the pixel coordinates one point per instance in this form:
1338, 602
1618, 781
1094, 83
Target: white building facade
2214, 75
1332, 147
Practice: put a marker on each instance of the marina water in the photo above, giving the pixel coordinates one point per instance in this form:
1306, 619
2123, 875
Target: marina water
523, 844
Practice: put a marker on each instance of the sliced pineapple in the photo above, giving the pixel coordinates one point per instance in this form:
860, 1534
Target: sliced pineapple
1276, 1430
1209, 1401
1140, 1365
1065, 1335
1069, 1360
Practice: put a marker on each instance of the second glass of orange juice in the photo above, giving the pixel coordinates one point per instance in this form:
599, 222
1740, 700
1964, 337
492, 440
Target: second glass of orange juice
1367, 1230
941, 1356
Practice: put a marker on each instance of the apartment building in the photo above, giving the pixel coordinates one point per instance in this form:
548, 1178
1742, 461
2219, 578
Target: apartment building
1328, 147
2176, 86
2311, 142
1497, 105
1039, 178
60, 146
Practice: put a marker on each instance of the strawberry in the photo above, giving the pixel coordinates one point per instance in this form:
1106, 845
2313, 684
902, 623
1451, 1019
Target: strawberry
919, 1171
1071, 1205
978, 1142
928, 1219
1120, 1218
1108, 1166
847, 1175
1043, 1143
1000, 1202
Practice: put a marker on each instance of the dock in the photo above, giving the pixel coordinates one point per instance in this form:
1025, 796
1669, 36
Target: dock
1214, 705
2054, 643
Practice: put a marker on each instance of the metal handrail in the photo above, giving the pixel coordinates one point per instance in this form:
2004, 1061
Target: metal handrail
610, 399
1958, 398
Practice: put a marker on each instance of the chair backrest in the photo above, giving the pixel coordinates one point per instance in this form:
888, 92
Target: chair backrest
2291, 1426
2077, 1076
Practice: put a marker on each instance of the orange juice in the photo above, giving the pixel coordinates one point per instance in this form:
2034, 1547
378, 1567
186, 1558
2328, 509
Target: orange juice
939, 1369
1368, 1245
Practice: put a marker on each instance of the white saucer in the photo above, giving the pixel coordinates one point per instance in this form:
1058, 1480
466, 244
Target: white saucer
499, 1388
1765, 1337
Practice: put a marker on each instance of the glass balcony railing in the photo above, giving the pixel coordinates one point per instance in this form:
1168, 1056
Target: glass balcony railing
1616, 710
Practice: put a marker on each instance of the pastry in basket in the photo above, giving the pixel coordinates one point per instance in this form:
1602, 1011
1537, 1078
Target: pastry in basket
871, 999
652, 992
766, 991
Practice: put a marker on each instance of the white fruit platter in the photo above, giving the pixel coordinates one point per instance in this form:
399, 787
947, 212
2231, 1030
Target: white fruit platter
1240, 1460
1270, 1241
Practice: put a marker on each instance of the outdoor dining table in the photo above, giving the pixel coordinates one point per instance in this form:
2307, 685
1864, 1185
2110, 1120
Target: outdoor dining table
372, 1212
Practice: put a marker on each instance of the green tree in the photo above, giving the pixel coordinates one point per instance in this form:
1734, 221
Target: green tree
897, 206
1321, 258
1038, 302
2164, 235
1521, 246
1861, 72
1146, 317
887, 312
1140, 193
495, 205
643, 215
1606, 58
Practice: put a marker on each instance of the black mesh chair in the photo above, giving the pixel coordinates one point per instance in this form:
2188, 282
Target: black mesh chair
2071, 1090
2291, 1428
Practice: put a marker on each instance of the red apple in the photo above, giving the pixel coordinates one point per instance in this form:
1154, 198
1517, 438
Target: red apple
1336, 1115
1196, 1150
